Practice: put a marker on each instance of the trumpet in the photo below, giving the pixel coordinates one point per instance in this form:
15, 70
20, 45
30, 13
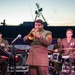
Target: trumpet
32, 33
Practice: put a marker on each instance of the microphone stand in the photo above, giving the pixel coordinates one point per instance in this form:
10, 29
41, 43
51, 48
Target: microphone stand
14, 52
14, 62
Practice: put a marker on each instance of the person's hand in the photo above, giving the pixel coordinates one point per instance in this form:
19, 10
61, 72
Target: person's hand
6, 49
56, 50
37, 35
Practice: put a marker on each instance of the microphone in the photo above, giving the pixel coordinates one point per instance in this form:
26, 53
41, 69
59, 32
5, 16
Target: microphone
19, 36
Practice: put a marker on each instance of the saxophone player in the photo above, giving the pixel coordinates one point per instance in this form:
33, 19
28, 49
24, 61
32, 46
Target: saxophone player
38, 56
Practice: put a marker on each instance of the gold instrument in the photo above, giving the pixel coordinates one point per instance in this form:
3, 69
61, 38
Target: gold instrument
32, 33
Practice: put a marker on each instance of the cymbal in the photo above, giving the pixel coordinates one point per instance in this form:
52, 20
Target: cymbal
68, 48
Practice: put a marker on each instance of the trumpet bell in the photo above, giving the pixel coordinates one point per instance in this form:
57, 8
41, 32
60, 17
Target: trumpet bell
31, 36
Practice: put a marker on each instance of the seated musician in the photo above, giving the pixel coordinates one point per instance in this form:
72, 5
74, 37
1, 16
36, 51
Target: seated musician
68, 45
4, 46
68, 42
57, 46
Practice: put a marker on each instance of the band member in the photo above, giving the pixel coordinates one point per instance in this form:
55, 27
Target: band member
58, 44
67, 48
4, 46
68, 43
57, 65
38, 56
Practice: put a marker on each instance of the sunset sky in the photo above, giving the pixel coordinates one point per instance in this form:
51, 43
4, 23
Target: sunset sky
55, 12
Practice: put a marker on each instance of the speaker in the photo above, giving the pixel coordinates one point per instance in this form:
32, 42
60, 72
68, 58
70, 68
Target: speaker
21, 57
20, 62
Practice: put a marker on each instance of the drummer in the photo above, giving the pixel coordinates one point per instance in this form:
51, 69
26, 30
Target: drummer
68, 44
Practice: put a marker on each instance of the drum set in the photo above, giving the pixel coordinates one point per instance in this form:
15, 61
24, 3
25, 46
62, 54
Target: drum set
62, 64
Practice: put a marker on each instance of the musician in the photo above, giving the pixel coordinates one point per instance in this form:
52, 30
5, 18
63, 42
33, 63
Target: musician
68, 45
58, 44
57, 65
4, 46
68, 42
38, 56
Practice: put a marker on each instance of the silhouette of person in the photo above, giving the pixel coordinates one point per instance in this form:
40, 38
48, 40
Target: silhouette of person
3, 23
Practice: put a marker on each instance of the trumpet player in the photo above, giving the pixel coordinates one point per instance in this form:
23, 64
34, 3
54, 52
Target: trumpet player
38, 56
